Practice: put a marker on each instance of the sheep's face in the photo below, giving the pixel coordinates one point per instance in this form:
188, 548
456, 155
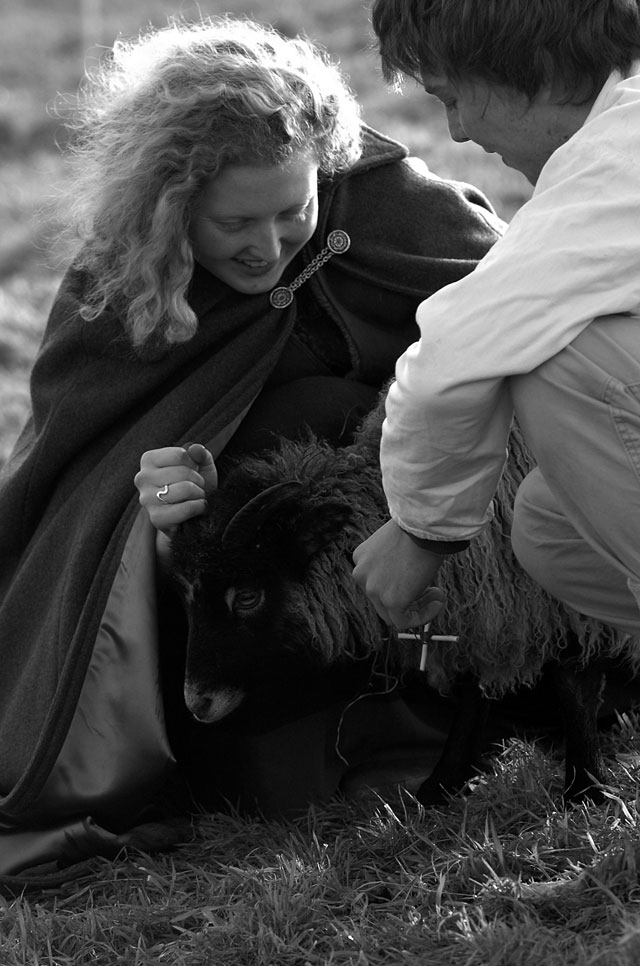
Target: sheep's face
245, 577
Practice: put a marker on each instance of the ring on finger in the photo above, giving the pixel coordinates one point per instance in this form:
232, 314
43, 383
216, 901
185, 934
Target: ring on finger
162, 493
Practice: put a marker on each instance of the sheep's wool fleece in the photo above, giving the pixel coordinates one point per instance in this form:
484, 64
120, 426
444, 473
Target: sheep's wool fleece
508, 626
67, 499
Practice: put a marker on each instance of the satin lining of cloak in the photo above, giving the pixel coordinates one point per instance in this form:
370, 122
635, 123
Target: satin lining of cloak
116, 755
116, 749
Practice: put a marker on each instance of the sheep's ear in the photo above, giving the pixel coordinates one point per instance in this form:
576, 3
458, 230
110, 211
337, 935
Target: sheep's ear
315, 528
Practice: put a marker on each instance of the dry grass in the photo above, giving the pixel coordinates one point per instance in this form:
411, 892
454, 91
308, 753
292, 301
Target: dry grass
501, 876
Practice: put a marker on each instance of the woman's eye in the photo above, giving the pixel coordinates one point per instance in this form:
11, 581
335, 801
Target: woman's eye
297, 214
230, 226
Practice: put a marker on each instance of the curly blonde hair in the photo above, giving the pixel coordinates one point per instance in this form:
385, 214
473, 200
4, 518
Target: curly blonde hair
165, 114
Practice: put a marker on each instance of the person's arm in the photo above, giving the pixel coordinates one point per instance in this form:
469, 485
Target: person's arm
569, 256
396, 573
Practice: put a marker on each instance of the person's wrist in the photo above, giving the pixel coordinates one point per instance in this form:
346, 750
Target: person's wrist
163, 549
442, 548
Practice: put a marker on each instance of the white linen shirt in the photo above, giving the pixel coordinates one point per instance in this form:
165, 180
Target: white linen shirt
570, 254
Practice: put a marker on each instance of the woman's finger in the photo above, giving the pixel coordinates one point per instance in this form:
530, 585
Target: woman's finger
167, 518
152, 495
166, 456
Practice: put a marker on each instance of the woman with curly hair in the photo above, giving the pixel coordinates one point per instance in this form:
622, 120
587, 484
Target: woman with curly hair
251, 258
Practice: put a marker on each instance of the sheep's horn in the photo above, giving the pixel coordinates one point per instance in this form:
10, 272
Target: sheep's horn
256, 511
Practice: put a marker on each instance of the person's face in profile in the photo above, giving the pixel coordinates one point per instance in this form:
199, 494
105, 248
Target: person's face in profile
524, 132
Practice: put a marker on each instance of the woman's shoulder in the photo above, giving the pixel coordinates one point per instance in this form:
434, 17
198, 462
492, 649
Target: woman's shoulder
388, 171
390, 191
378, 149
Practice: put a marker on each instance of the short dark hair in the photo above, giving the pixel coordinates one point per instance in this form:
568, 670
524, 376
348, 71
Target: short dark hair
519, 43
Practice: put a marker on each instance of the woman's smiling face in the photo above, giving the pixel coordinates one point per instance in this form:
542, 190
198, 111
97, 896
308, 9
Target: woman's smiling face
250, 221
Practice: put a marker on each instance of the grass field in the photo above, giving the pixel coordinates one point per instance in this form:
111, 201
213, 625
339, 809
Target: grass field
500, 877
503, 876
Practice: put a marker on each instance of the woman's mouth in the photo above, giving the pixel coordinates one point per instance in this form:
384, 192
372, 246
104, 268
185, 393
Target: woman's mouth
254, 266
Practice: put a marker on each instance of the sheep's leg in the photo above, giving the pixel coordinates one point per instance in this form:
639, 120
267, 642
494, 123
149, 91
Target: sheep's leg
462, 754
580, 693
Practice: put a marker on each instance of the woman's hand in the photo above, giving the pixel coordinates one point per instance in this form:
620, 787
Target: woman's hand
396, 574
174, 483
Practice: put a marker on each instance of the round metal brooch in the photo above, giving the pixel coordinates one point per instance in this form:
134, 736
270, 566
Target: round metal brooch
281, 297
338, 241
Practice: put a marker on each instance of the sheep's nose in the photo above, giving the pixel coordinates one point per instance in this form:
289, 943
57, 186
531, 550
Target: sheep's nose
210, 706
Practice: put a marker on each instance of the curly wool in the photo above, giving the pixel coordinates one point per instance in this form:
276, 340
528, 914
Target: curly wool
342, 621
330, 605
507, 626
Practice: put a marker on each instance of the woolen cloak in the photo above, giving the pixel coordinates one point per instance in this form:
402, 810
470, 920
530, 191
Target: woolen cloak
68, 504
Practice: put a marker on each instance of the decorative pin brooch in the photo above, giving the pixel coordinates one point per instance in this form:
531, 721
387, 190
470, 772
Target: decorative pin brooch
338, 243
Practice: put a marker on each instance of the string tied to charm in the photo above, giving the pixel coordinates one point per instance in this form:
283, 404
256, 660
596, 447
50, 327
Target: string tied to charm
338, 242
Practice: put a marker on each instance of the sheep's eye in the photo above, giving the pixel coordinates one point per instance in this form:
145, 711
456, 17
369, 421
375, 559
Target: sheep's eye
244, 599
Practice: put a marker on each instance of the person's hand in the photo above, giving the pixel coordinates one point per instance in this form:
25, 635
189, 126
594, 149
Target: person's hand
396, 574
174, 483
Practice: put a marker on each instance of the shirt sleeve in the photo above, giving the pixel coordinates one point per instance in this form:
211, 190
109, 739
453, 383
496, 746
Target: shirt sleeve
570, 255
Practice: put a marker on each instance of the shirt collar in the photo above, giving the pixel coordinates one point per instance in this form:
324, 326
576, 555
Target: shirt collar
608, 91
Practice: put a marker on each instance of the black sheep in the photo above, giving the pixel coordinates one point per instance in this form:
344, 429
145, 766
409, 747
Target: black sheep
266, 580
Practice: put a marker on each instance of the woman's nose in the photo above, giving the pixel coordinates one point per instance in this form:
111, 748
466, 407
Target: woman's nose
266, 242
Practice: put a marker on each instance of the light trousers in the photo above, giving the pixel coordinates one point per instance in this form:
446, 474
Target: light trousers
576, 527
